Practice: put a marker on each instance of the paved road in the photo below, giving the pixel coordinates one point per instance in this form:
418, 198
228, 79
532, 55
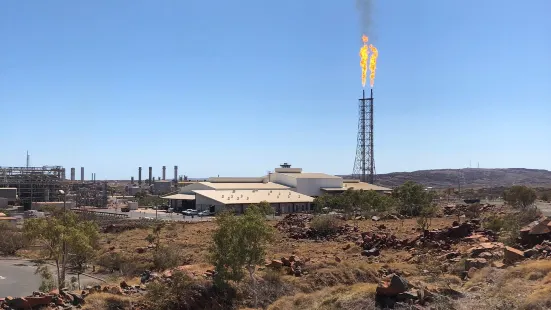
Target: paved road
17, 277
161, 214
544, 207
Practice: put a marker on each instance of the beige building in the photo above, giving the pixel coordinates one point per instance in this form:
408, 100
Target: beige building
356, 185
286, 189
283, 201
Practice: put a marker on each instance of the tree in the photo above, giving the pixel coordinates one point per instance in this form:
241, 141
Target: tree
266, 208
520, 196
412, 198
239, 244
65, 240
324, 202
425, 216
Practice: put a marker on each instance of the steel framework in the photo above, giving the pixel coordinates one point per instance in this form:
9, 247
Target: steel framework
364, 164
33, 184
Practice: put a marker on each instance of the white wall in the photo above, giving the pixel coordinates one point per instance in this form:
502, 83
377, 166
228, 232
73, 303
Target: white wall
204, 203
188, 190
283, 179
313, 186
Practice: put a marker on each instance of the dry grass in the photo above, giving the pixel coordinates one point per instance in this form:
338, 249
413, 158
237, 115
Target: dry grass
525, 286
539, 299
99, 301
357, 296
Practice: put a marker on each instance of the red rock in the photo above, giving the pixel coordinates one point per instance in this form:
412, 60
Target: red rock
286, 262
18, 303
393, 286
116, 290
512, 255
276, 264
39, 301
498, 265
337, 259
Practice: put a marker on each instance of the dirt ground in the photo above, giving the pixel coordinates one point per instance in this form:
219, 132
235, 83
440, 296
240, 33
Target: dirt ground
337, 276
195, 238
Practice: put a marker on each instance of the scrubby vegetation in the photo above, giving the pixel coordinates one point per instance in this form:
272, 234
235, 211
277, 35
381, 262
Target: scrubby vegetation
241, 262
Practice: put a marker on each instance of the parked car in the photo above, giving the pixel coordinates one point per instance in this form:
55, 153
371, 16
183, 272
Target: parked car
206, 213
190, 212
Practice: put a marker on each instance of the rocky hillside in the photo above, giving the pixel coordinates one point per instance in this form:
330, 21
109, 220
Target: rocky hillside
469, 177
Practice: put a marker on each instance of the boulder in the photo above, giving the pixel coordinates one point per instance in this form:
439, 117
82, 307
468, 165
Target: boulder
116, 290
471, 272
512, 255
286, 262
451, 255
276, 264
372, 252
498, 265
392, 286
531, 252
18, 303
478, 263
485, 255
475, 251
123, 284
406, 296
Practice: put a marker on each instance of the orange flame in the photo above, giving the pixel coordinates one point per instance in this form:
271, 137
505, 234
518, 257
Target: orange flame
373, 64
363, 59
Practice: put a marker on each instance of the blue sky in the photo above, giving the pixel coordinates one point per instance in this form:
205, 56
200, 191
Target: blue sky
237, 87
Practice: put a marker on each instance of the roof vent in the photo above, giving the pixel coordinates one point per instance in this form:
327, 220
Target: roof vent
222, 196
237, 198
233, 191
247, 198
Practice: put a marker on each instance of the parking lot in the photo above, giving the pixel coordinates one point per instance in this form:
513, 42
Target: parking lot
157, 214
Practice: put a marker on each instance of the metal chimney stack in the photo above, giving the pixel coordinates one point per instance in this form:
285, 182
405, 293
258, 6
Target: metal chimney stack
82, 174
175, 173
140, 176
72, 174
164, 173
150, 175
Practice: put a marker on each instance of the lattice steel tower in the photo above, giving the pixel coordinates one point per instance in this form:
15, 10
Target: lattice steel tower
364, 165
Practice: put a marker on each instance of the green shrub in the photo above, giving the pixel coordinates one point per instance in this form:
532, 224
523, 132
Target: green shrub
325, 224
183, 292
12, 240
494, 223
166, 257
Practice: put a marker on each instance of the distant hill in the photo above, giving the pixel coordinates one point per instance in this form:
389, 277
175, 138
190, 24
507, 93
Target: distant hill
469, 177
